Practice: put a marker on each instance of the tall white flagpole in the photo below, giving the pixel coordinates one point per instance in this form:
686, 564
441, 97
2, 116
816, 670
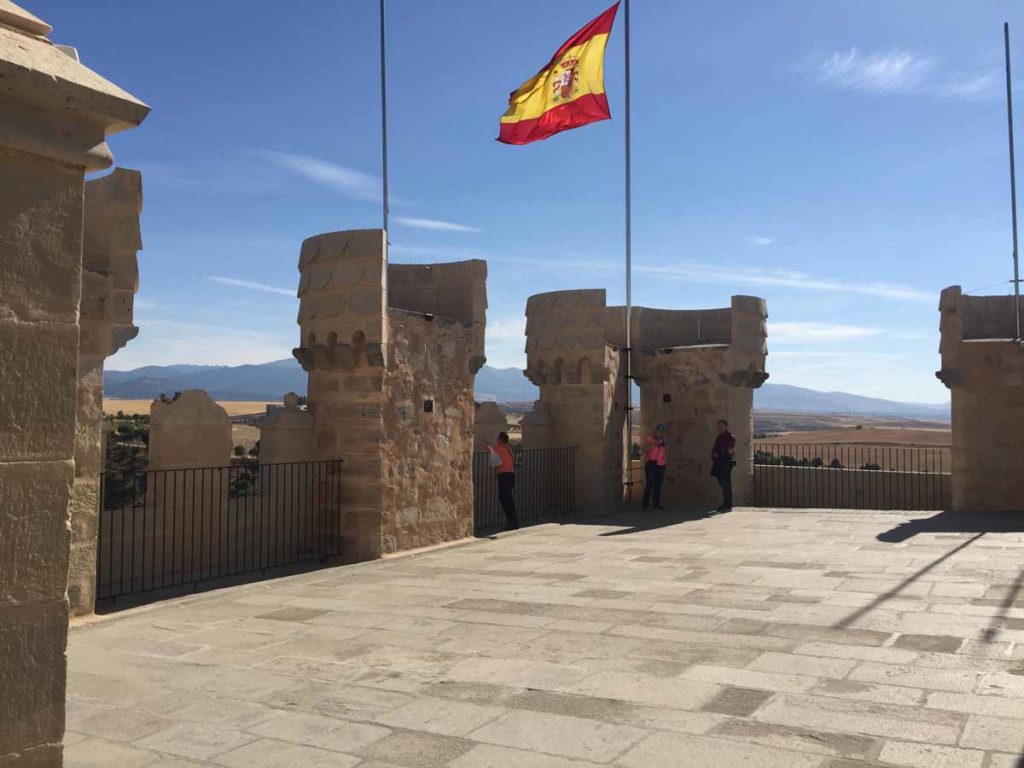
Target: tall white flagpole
384, 113
629, 283
1013, 179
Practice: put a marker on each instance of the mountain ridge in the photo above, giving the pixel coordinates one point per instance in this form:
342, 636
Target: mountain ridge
270, 381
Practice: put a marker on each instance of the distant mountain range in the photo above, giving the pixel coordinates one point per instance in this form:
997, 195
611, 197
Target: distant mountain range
269, 381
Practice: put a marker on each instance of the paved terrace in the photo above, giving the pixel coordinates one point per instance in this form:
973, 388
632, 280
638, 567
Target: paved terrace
762, 638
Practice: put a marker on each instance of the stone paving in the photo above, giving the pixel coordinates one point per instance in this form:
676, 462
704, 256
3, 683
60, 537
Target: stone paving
770, 639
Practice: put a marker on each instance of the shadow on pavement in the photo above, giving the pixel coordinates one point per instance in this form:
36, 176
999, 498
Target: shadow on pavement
636, 521
956, 522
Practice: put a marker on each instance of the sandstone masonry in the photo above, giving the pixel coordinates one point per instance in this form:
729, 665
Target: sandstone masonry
55, 118
693, 367
983, 366
392, 352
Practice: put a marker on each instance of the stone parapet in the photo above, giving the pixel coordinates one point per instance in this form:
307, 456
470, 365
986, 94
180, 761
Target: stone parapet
983, 366
342, 297
191, 431
391, 352
693, 367
54, 122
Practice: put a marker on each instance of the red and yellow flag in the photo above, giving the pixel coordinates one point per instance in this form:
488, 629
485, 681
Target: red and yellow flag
567, 93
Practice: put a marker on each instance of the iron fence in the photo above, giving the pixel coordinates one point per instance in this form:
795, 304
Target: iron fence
545, 487
828, 476
160, 529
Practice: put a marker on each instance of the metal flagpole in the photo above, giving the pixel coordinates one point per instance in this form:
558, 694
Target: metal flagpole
384, 113
1013, 179
629, 285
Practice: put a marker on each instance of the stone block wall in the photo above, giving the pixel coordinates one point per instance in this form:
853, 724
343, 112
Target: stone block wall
286, 433
490, 421
693, 367
683, 389
110, 278
374, 360
55, 118
428, 430
577, 371
983, 366
192, 431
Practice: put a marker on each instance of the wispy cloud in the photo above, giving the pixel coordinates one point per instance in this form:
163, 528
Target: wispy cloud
816, 333
355, 184
251, 285
708, 273
761, 240
895, 71
433, 224
975, 87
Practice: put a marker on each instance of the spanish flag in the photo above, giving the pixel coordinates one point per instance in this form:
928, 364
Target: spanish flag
567, 93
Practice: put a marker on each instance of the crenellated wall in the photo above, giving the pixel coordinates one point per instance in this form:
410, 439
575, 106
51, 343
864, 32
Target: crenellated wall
576, 369
693, 367
392, 352
110, 278
983, 366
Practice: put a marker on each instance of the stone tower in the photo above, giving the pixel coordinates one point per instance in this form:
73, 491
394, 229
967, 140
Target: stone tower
693, 367
392, 352
983, 366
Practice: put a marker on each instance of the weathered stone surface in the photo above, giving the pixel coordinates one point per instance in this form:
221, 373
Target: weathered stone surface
33, 531
192, 431
694, 367
435, 645
983, 366
55, 118
390, 352
490, 421
37, 410
32, 640
286, 433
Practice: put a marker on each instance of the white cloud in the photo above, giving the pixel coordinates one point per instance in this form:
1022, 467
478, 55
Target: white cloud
251, 285
761, 239
168, 342
974, 87
898, 71
893, 72
816, 333
507, 328
433, 224
708, 273
355, 184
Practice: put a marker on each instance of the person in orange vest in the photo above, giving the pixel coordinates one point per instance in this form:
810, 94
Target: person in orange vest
506, 474
655, 462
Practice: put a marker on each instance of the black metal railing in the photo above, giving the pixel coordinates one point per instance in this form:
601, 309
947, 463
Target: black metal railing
166, 528
851, 476
545, 487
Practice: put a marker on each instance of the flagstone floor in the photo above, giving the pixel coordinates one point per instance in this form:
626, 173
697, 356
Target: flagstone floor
768, 639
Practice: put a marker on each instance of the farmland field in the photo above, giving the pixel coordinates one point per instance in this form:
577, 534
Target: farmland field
113, 405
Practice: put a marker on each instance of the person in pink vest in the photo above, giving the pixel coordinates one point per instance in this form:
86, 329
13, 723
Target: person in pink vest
655, 462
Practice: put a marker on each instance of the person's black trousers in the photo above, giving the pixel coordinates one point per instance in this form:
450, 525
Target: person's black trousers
724, 475
654, 476
506, 484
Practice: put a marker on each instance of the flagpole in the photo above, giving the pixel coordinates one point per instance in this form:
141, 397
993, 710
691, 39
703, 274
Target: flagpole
1013, 179
629, 281
384, 114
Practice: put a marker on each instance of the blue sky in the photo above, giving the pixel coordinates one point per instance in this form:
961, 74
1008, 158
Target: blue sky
844, 159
